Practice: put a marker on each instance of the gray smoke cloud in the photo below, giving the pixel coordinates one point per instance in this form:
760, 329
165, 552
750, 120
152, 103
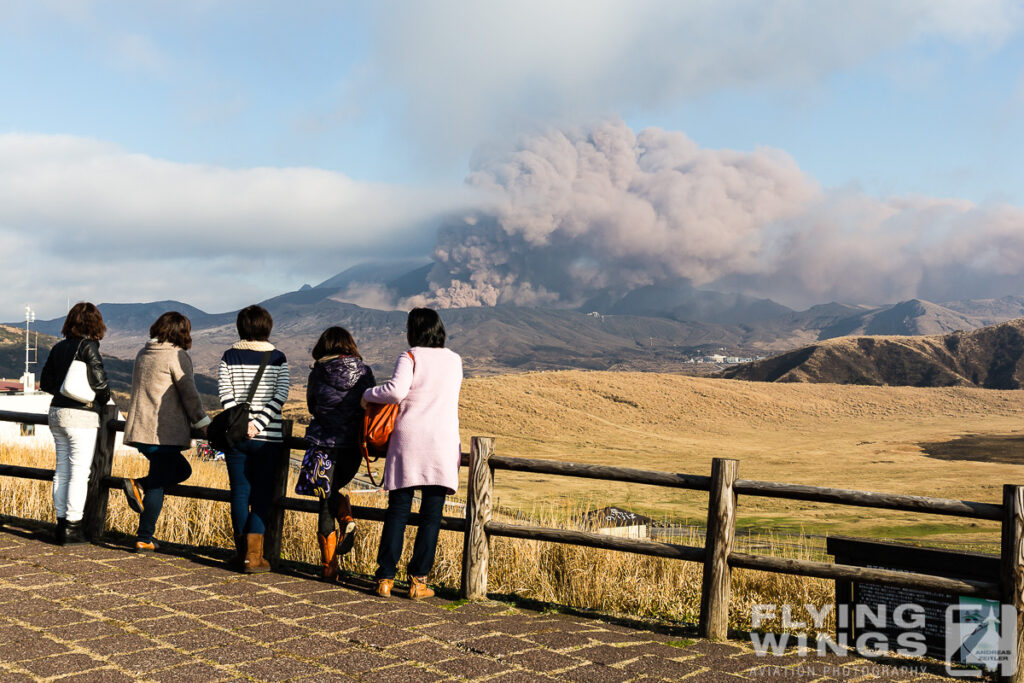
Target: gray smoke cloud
856, 248
595, 209
602, 210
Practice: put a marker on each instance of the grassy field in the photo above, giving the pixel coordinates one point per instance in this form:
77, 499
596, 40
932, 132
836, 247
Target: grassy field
869, 438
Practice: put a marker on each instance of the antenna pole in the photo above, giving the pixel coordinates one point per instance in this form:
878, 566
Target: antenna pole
28, 312
28, 380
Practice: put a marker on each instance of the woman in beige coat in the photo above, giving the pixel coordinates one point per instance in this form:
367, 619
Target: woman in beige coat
165, 407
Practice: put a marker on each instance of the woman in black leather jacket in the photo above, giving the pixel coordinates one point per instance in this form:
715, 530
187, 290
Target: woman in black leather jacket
73, 424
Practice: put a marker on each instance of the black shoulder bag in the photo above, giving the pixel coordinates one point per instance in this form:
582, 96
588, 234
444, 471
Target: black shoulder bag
230, 427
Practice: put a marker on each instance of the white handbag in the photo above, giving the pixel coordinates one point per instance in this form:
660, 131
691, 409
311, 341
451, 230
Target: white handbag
76, 383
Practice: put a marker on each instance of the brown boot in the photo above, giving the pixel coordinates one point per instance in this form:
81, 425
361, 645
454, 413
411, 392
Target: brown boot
346, 524
255, 563
418, 588
384, 587
328, 563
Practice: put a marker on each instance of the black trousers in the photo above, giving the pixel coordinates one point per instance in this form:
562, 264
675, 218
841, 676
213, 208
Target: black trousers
346, 464
167, 466
393, 535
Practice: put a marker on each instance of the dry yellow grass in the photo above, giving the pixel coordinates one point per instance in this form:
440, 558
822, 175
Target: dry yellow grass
844, 436
586, 578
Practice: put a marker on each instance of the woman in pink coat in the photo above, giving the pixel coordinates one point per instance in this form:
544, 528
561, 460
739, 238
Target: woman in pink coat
424, 451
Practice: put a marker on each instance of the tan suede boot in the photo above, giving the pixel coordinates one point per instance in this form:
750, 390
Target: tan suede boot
328, 563
255, 563
418, 588
384, 587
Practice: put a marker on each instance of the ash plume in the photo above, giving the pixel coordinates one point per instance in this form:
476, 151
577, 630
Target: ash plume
600, 211
604, 209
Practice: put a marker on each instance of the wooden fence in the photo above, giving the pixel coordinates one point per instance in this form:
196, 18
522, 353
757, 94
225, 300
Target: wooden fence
717, 556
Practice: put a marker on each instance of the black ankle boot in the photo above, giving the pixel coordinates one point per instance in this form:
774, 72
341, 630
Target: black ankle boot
61, 532
74, 534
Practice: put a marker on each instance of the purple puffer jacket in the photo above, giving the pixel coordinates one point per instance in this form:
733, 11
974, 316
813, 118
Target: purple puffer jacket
336, 385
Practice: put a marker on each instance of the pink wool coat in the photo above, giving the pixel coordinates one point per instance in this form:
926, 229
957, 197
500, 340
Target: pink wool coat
424, 448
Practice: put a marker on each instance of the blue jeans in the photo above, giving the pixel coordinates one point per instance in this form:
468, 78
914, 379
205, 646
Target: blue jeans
251, 477
167, 466
393, 534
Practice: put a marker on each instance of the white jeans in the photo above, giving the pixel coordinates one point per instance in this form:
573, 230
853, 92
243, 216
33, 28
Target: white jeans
75, 446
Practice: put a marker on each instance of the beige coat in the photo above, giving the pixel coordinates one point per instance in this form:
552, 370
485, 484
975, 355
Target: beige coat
165, 403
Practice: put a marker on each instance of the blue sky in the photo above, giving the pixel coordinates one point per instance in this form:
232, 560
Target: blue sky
360, 122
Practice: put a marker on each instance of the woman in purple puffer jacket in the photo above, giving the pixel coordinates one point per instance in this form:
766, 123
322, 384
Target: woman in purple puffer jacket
336, 385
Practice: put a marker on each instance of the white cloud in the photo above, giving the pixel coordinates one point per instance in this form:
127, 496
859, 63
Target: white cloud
466, 68
120, 226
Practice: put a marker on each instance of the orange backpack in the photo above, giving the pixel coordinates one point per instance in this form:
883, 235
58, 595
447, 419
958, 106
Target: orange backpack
378, 423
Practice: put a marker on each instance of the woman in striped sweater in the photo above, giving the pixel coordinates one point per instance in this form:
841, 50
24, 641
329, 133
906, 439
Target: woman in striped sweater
251, 463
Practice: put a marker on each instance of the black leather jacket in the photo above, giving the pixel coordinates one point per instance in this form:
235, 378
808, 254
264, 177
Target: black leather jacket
56, 368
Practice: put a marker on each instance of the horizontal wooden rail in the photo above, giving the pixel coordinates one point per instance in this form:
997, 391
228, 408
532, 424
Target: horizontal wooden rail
224, 496
43, 418
890, 577
595, 540
364, 512
694, 482
180, 490
869, 499
22, 472
24, 418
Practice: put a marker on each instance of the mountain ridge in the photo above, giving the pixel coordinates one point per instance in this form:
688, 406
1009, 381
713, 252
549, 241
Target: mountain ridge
990, 357
654, 327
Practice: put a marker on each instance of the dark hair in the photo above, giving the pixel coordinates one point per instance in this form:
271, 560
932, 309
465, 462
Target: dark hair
254, 324
424, 328
172, 327
84, 320
335, 341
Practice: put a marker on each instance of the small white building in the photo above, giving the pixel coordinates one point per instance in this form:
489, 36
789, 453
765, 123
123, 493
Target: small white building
25, 434
38, 402
614, 521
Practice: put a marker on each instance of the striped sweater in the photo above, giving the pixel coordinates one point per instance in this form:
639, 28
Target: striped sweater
238, 367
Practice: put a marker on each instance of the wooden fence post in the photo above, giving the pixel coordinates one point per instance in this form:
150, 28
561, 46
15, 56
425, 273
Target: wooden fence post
717, 581
279, 491
1011, 578
94, 520
475, 549
844, 603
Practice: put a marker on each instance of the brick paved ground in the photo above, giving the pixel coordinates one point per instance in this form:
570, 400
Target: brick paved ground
99, 613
